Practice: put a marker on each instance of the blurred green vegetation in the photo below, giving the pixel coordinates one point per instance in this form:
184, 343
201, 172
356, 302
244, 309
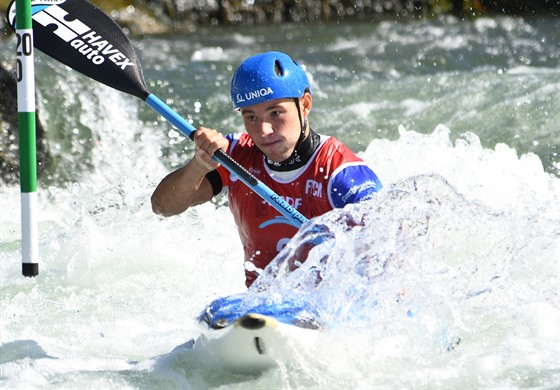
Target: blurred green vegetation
103, 4
148, 17
245, 11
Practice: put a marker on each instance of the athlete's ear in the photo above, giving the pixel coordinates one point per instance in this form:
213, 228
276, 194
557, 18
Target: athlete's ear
306, 103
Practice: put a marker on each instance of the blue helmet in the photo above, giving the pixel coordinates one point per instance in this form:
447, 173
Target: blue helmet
267, 76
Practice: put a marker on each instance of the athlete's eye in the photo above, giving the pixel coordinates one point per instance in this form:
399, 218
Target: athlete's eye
250, 118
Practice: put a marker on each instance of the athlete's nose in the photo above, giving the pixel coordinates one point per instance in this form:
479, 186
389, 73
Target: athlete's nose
265, 128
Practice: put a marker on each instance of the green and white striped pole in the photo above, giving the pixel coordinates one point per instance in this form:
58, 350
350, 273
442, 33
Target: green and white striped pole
25, 67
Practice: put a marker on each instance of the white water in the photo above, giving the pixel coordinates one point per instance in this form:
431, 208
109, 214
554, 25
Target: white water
452, 282
449, 280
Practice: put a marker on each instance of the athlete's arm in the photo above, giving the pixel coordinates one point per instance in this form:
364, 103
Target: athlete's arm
353, 183
188, 186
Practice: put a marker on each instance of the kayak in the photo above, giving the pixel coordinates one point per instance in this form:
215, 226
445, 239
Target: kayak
249, 336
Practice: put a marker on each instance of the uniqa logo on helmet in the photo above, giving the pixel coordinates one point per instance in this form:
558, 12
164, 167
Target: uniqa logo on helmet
256, 94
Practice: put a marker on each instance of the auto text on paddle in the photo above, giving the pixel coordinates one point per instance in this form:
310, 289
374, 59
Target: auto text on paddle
82, 38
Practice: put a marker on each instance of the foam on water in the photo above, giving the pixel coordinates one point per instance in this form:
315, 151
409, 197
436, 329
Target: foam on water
448, 279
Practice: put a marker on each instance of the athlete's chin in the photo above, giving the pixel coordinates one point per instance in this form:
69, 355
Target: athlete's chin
277, 157
272, 152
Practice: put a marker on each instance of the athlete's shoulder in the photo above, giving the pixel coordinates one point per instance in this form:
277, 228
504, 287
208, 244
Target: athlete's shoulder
335, 151
352, 180
239, 140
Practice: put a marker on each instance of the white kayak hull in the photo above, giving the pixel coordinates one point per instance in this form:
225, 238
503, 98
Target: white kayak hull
252, 344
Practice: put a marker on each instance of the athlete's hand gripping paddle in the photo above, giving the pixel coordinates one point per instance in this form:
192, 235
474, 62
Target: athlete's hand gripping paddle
83, 37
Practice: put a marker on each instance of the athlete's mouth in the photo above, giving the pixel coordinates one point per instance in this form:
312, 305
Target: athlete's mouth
270, 143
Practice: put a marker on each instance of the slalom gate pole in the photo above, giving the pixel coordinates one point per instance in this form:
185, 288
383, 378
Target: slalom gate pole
25, 69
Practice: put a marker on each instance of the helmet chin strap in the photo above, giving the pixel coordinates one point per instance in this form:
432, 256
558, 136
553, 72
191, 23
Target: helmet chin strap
303, 124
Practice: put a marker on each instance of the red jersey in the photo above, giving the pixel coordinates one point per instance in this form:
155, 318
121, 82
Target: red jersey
333, 177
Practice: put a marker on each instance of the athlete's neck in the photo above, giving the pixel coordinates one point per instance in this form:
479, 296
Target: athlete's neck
300, 156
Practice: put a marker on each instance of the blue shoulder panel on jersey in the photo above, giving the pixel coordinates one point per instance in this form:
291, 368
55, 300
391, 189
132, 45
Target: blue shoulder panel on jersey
354, 183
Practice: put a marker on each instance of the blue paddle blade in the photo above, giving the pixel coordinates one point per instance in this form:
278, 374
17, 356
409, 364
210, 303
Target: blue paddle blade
226, 310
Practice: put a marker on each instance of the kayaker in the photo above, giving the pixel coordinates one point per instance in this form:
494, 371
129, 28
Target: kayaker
314, 173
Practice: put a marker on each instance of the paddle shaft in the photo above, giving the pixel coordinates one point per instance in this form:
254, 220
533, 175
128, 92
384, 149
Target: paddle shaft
80, 35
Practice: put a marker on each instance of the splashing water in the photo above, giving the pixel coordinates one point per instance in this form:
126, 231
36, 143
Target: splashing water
448, 279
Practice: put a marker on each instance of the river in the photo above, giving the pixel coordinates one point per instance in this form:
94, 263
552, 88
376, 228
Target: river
449, 280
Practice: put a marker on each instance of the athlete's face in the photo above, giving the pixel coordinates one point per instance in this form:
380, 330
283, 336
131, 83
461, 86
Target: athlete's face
274, 126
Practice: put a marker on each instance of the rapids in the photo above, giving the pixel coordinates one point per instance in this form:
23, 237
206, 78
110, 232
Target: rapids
447, 280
